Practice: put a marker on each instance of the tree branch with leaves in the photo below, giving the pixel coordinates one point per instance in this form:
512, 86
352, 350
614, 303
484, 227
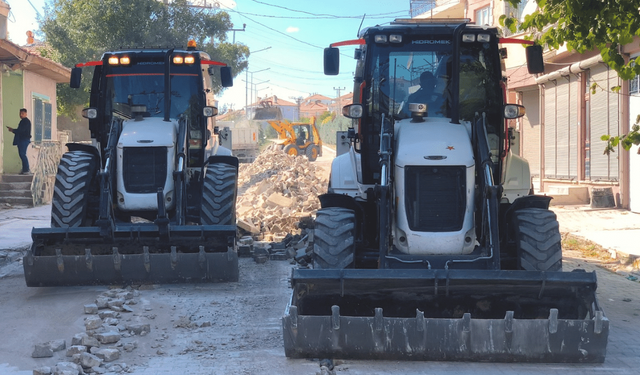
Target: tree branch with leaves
82, 30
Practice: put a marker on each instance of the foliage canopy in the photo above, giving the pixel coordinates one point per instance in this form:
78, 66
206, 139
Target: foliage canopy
82, 30
584, 25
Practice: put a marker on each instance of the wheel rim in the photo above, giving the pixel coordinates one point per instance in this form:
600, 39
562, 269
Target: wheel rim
314, 152
293, 151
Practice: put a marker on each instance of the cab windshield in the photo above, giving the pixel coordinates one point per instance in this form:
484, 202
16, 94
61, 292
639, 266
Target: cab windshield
143, 85
422, 74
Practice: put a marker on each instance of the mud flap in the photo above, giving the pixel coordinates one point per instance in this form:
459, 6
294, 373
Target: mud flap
445, 315
76, 256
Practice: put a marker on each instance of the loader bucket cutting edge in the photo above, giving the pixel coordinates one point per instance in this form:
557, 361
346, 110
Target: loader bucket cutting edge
78, 256
445, 315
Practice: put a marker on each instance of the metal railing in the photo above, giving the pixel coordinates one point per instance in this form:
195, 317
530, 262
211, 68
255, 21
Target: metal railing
44, 173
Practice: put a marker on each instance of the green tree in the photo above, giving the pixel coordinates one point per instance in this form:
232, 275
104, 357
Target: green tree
585, 25
82, 30
625, 140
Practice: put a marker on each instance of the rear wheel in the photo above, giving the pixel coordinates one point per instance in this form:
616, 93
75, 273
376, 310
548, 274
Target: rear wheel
291, 150
70, 205
312, 152
219, 193
538, 240
334, 239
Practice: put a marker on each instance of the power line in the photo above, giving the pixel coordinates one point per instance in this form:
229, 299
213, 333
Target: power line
320, 16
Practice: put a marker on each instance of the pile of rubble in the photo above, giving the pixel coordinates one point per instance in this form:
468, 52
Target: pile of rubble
106, 335
275, 192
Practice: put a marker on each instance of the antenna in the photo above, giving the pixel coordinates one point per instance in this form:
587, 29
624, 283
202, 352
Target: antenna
360, 27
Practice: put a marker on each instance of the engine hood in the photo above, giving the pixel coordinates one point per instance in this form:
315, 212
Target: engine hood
150, 132
435, 141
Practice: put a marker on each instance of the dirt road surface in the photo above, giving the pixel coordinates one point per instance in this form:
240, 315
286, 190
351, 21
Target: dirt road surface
235, 328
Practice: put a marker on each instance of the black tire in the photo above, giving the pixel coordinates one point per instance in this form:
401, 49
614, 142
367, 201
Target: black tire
312, 152
219, 192
72, 190
334, 239
291, 149
538, 240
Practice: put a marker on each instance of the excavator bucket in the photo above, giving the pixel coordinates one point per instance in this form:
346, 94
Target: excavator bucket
138, 253
449, 315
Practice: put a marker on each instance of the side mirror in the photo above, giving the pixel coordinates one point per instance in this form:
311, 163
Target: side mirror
90, 113
352, 111
209, 111
331, 61
513, 111
225, 76
76, 78
535, 62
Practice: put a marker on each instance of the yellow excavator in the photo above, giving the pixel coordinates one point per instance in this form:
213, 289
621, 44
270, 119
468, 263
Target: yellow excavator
298, 138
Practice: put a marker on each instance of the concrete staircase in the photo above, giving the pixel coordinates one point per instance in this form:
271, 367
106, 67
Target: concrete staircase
15, 190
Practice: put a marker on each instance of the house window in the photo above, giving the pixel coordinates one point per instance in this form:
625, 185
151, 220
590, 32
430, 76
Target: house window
634, 85
483, 16
41, 118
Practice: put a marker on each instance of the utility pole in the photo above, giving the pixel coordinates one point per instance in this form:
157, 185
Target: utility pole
339, 89
298, 101
244, 26
246, 97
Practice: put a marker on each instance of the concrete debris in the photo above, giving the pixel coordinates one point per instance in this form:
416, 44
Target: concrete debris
44, 370
92, 323
108, 338
277, 190
91, 308
88, 360
57, 345
76, 349
42, 351
67, 368
102, 327
107, 355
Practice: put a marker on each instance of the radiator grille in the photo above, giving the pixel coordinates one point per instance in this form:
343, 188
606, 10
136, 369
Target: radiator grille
435, 198
144, 169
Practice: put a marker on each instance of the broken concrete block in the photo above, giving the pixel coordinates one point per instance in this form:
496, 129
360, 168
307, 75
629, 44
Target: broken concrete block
104, 314
279, 200
57, 345
107, 338
90, 341
88, 360
102, 302
42, 351
77, 339
91, 308
67, 368
248, 226
92, 322
44, 370
76, 349
112, 321
107, 355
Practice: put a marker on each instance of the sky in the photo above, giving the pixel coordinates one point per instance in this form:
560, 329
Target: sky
287, 38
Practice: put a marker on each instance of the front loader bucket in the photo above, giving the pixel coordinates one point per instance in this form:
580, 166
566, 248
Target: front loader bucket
135, 254
454, 315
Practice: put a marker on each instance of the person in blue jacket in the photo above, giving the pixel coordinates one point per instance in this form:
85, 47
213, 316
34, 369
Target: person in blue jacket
22, 138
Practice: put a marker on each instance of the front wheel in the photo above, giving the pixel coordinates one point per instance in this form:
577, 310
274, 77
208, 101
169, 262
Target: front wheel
219, 192
75, 183
291, 150
538, 240
334, 238
312, 152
